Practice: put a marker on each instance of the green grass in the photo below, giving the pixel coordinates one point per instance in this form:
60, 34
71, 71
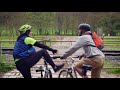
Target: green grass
4, 67
113, 71
7, 44
8, 37
110, 64
112, 42
112, 47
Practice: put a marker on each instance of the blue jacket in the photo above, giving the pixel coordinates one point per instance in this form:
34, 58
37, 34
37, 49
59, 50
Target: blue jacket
22, 50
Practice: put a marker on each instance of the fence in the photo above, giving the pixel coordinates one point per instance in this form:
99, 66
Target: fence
114, 44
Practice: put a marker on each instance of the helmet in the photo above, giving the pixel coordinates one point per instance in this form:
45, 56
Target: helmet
84, 26
24, 28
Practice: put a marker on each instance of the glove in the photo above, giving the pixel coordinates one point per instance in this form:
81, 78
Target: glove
80, 57
54, 51
62, 57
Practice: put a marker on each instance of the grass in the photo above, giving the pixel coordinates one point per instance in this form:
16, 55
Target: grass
4, 67
110, 64
112, 42
113, 71
111, 47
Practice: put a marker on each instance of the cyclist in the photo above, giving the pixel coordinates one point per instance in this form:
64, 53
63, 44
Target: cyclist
92, 55
25, 55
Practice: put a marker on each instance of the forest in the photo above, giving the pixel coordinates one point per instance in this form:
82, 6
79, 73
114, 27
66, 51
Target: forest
59, 23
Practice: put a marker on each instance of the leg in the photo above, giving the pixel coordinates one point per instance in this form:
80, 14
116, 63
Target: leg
50, 61
24, 65
96, 71
48, 58
97, 65
25, 71
32, 60
38, 55
78, 67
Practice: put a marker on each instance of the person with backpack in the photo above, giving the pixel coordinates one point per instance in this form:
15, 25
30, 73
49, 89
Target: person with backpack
92, 55
25, 56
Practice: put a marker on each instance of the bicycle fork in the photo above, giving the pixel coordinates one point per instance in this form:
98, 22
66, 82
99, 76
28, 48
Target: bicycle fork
73, 72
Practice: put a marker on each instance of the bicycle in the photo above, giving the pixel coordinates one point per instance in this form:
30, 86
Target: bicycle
70, 71
46, 70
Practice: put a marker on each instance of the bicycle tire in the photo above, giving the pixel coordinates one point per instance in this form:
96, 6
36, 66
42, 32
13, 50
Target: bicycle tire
65, 73
75, 74
48, 74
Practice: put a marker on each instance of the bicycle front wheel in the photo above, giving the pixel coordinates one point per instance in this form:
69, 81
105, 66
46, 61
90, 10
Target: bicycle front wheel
48, 74
65, 74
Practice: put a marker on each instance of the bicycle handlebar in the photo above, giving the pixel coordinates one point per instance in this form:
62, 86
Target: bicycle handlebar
55, 57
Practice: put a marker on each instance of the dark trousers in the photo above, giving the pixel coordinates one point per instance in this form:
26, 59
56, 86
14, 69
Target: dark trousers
24, 65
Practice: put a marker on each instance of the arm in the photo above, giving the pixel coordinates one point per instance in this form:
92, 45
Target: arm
33, 42
73, 49
43, 46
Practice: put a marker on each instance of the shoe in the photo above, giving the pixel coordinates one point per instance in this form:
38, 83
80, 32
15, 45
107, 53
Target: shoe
58, 67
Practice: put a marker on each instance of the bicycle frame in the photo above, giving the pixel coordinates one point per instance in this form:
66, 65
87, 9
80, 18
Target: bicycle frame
44, 69
71, 71
71, 67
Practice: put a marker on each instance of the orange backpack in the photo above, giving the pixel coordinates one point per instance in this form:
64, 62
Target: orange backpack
98, 41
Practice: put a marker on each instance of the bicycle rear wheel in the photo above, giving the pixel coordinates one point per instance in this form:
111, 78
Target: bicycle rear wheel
65, 74
48, 74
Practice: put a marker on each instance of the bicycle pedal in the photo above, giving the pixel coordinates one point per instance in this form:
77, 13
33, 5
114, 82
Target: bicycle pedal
40, 69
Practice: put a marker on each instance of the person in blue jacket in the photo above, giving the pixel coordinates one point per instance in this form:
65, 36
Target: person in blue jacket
25, 56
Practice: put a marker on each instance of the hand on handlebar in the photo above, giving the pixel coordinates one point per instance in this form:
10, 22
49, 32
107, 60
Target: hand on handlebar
54, 51
80, 57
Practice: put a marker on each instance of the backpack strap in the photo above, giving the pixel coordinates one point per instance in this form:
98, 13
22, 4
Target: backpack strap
91, 45
92, 37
